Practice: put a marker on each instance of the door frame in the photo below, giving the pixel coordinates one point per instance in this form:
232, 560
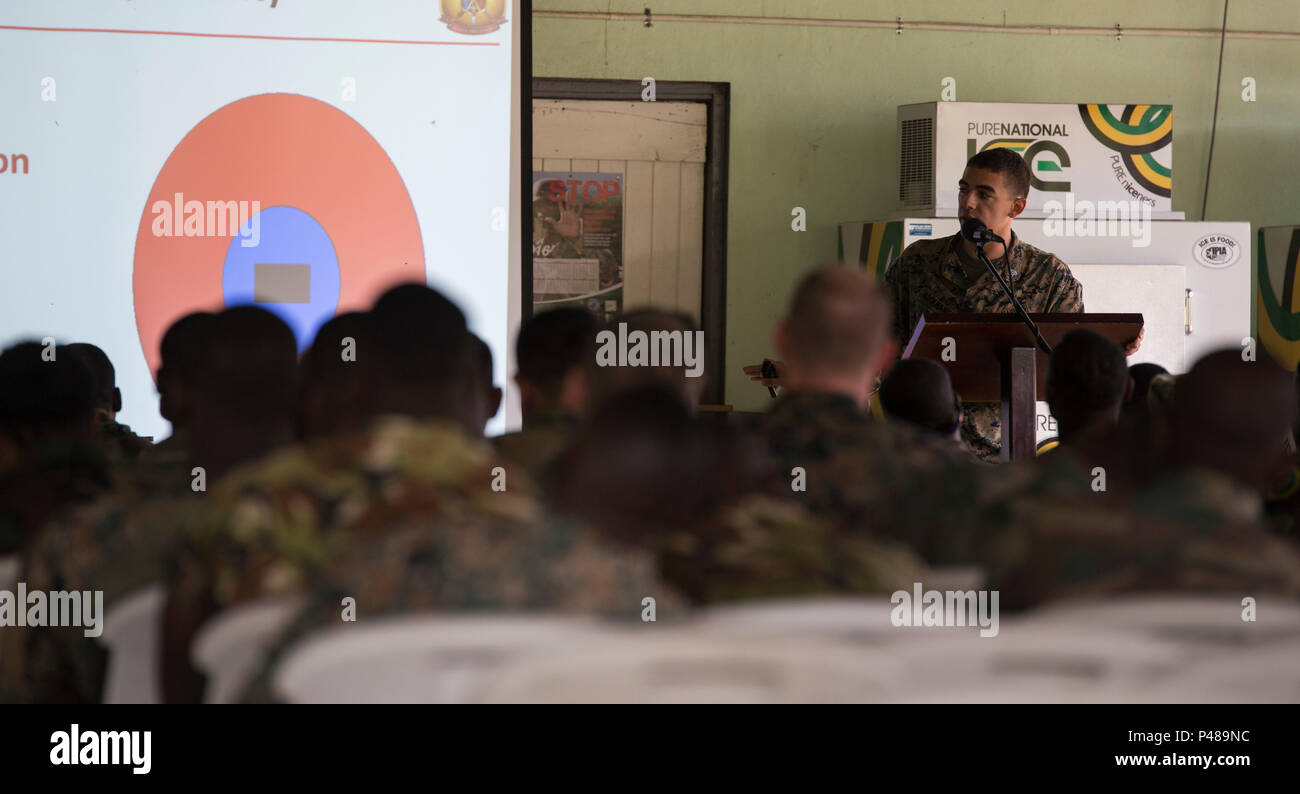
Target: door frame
716, 97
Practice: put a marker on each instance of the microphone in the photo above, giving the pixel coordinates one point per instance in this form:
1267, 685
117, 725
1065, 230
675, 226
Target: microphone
973, 229
769, 371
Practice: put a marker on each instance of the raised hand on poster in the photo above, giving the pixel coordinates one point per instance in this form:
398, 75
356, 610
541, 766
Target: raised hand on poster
570, 223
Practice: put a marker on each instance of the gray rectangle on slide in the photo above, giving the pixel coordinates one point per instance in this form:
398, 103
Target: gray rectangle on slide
282, 284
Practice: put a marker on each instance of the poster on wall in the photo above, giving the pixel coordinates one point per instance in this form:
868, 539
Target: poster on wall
578, 242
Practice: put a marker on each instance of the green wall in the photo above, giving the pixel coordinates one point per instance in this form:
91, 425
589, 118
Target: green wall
813, 109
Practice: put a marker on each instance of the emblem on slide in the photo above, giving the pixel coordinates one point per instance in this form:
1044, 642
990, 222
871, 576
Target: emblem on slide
276, 200
474, 17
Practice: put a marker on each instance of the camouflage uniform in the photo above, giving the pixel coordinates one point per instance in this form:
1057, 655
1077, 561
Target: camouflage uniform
118, 544
763, 547
1283, 505
56, 476
1201, 500
887, 478
1037, 529
462, 566
175, 449
534, 447
1078, 550
854, 453
161, 468
121, 445
1194, 497
1041, 533
401, 518
937, 276
759, 547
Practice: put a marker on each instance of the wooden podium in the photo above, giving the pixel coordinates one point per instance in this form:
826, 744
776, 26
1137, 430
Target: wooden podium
994, 358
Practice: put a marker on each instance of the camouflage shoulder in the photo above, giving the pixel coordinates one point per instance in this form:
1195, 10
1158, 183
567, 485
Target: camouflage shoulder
121, 444
1087, 547
767, 547
557, 566
531, 448
1200, 500
67, 547
1056, 266
157, 476
918, 252
927, 249
280, 522
1036, 254
117, 544
77, 473
112, 548
172, 450
423, 452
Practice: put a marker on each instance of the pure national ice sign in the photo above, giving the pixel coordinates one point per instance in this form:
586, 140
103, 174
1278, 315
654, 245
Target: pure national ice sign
1097, 152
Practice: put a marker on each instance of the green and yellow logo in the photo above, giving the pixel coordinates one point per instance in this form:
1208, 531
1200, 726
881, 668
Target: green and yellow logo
1278, 302
881, 243
1030, 149
1139, 132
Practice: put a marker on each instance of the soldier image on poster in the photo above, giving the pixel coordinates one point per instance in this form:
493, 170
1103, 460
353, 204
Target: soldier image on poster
578, 241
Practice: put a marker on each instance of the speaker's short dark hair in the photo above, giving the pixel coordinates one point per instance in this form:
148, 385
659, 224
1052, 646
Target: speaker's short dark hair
1014, 169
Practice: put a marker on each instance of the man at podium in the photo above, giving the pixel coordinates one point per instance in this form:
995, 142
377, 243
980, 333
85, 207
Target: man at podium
945, 275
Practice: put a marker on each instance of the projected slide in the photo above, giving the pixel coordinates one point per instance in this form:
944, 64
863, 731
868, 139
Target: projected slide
295, 206
162, 158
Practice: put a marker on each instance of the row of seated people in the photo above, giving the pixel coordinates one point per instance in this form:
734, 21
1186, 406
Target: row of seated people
358, 481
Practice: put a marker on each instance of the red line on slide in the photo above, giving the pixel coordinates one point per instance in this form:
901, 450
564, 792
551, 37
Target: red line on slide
250, 36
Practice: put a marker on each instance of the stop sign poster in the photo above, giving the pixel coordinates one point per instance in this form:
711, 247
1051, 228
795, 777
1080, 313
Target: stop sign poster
578, 241
276, 200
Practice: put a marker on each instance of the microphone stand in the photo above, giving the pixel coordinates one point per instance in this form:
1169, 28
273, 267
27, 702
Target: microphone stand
1024, 315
